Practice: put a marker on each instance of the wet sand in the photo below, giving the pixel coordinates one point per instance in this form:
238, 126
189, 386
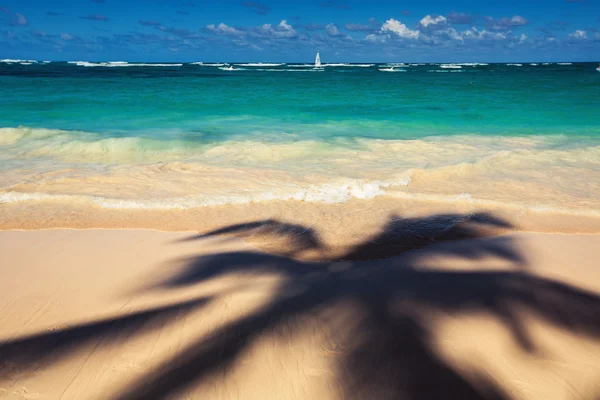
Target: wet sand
352, 220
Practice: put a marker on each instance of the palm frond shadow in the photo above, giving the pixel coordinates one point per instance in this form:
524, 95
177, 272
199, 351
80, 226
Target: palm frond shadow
30, 353
391, 354
389, 351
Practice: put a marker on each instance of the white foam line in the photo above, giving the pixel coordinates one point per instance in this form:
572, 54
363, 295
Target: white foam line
261, 64
325, 193
114, 64
349, 65
335, 192
11, 61
286, 70
232, 69
467, 198
201, 64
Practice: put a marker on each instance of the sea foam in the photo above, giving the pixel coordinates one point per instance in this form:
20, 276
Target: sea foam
261, 64
114, 64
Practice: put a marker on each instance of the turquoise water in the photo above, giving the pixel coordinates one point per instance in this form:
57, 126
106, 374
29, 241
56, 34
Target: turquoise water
208, 104
189, 135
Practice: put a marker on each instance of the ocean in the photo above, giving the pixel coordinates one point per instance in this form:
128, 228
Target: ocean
188, 135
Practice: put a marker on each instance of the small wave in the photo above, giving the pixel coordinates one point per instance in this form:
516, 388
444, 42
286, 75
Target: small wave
149, 65
535, 170
473, 64
534, 64
348, 65
26, 63
467, 198
332, 192
564, 63
515, 65
11, 61
301, 65
9, 136
288, 69
450, 66
444, 71
231, 69
208, 64
113, 64
261, 65
391, 70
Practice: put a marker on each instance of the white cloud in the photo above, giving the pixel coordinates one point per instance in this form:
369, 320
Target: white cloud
20, 19
66, 36
517, 20
505, 23
284, 25
483, 34
435, 30
522, 38
244, 43
223, 29
332, 30
373, 38
448, 33
579, 34
435, 21
283, 30
397, 27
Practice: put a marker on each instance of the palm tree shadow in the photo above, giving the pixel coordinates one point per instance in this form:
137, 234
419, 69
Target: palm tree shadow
30, 353
388, 343
390, 353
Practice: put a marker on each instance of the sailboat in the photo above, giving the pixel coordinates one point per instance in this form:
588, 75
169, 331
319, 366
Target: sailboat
318, 61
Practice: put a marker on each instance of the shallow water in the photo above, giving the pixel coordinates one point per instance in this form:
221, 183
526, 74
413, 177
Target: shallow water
173, 136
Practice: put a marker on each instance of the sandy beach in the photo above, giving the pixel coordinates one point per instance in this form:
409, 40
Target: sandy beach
227, 220
444, 306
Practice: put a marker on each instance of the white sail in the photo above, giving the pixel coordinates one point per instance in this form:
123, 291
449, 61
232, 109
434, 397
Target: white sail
318, 61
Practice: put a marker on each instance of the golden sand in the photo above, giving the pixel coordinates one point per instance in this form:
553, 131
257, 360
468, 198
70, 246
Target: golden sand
447, 312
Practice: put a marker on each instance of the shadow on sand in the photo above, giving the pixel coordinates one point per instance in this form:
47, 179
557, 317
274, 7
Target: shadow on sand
389, 351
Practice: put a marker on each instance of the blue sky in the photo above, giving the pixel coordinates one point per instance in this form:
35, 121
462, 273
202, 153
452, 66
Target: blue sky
248, 30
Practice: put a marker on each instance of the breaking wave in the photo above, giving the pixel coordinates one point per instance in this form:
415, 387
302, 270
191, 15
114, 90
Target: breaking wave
261, 64
541, 172
113, 64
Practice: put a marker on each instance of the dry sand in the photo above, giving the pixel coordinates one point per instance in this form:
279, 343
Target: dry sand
139, 314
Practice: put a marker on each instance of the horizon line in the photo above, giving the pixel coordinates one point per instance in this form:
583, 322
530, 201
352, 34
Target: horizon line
6, 60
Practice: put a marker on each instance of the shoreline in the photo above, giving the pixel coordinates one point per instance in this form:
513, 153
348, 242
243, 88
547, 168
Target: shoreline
342, 219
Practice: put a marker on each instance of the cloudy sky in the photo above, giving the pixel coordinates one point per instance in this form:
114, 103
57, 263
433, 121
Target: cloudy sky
263, 30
